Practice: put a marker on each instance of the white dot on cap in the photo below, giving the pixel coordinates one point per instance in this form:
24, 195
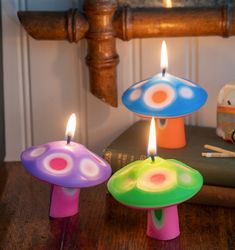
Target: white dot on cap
135, 94
37, 152
89, 168
185, 178
186, 92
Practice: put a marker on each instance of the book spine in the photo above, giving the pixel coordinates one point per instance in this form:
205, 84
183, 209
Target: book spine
118, 159
215, 196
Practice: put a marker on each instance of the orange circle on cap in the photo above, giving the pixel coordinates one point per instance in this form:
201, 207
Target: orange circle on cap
159, 96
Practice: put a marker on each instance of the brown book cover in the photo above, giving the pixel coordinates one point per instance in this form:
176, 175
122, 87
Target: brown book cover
132, 145
214, 196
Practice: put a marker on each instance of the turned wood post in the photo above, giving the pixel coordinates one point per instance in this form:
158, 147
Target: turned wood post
132, 23
68, 25
102, 58
102, 21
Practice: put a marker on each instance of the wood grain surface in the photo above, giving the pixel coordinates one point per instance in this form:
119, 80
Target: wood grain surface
102, 223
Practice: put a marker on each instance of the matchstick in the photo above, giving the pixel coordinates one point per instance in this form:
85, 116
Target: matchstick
221, 150
218, 155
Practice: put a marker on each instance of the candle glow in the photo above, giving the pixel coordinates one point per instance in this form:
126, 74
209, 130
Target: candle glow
152, 145
164, 56
71, 126
168, 3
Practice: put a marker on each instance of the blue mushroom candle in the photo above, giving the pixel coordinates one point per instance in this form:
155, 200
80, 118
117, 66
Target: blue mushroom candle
169, 99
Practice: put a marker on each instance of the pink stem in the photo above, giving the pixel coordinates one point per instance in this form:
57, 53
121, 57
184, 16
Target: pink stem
163, 224
64, 201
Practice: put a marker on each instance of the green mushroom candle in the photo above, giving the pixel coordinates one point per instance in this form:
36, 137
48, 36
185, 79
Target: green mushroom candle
157, 185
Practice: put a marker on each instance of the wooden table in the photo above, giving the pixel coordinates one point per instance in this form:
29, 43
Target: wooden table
102, 223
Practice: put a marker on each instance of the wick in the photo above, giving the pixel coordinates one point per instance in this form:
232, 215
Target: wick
229, 103
69, 137
152, 158
163, 72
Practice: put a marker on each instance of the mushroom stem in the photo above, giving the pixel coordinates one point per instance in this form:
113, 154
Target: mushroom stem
170, 132
163, 224
64, 201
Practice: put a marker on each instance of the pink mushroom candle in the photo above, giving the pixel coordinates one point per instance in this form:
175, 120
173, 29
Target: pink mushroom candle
157, 185
68, 166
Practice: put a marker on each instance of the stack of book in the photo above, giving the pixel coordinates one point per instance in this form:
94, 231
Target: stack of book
218, 173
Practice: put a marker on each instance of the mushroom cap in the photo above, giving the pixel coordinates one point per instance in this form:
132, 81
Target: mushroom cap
146, 184
67, 165
164, 96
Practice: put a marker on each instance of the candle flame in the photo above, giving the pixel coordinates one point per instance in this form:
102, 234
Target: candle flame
152, 145
164, 56
71, 126
168, 3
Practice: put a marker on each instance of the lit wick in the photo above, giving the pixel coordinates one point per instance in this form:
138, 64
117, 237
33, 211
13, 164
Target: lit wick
163, 72
164, 58
70, 129
168, 3
69, 139
152, 158
152, 140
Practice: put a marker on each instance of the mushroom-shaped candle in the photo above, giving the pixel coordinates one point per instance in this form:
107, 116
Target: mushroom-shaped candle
168, 98
156, 185
68, 166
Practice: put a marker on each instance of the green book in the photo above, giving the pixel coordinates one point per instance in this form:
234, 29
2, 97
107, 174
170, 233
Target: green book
132, 145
